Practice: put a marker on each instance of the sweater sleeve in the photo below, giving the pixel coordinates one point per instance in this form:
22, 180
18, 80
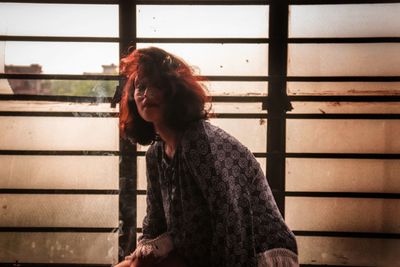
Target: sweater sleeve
154, 223
278, 257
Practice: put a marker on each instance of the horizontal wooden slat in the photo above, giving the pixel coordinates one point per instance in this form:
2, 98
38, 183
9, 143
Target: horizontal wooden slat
236, 88
235, 108
32, 210
342, 175
48, 55
344, 88
345, 107
240, 129
249, 59
54, 133
343, 214
380, 59
203, 2
344, 20
76, 248
323, 251
54, 106
215, 21
343, 136
55, 20
59, 172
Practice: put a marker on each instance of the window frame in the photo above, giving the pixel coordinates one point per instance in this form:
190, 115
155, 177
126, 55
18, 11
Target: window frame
277, 103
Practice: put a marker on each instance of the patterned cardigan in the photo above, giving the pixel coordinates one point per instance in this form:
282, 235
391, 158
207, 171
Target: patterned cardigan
215, 202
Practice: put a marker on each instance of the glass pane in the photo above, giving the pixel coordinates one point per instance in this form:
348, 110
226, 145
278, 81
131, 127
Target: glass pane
5, 87
343, 136
202, 21
60, 58
377, 20
343, 88
58, 133
343, 214
218, 59
24, 210
343, 175
53, 106
208, 1
232, 107
142, 148
55, 20
379, 59
345, 107
141, 210
83, 248
59, 87
59, 172
237, 88
348, 251
255, 135
141, 177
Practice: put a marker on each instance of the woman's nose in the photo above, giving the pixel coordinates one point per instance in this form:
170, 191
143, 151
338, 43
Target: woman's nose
146, 93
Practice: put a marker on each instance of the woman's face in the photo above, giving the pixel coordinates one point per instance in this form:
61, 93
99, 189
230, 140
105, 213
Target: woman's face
149, 100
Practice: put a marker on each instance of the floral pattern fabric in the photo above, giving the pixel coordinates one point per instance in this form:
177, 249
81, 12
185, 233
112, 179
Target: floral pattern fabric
213, 199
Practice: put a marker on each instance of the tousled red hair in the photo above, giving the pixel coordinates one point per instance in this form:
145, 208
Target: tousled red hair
185, 96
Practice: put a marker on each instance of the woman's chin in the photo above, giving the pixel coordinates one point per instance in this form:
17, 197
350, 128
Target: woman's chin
150, 118
150, 114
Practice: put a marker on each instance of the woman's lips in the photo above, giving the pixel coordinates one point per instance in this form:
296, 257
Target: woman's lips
149, 105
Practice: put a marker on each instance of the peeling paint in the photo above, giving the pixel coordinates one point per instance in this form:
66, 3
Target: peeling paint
334, 104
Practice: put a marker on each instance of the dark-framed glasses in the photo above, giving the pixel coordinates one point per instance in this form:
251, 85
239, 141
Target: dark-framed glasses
142, 89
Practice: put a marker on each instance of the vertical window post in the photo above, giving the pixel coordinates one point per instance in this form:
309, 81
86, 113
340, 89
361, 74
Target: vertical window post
128, 166
277, 100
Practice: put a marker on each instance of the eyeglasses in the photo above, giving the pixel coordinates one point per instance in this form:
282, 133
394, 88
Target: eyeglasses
142, 88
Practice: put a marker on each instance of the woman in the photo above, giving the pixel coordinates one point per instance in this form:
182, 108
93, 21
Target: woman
207, 199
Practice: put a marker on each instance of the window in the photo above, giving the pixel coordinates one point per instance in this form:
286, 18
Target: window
59, 177
341, 145
72, 192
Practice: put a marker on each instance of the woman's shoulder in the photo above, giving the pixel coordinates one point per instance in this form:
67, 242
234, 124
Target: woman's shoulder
154, 150
197, 131
203, 133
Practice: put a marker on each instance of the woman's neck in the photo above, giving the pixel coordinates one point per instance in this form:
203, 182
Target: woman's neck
170, 137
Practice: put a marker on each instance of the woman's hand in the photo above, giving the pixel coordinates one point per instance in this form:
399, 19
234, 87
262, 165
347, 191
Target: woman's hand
125, 263
148, 261
172, 260
149, 252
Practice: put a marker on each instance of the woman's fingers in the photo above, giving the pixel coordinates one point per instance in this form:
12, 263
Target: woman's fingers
129, 257
125, 263
143, 262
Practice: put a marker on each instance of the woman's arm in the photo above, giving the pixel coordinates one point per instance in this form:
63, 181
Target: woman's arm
223, 185
154, 223
154, 242
246, 220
